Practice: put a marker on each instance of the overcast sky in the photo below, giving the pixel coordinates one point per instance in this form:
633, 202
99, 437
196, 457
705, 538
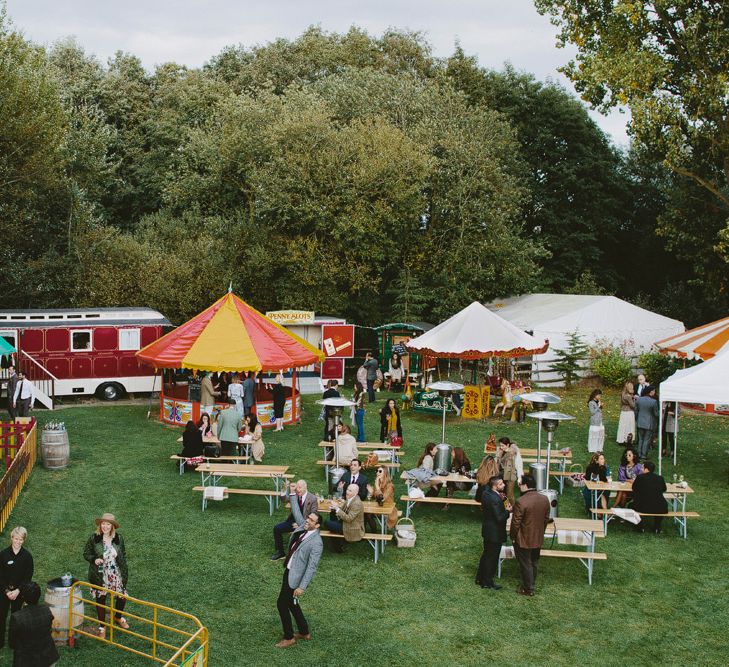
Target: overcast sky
189, 32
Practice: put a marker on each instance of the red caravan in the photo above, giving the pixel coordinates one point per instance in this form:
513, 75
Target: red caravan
83, 351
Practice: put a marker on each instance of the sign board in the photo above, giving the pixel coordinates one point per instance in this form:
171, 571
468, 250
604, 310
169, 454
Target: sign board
194, 659
337, 340
400, 349
332, 369
291, 316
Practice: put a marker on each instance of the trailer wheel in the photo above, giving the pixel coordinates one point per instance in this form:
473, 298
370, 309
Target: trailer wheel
110, 391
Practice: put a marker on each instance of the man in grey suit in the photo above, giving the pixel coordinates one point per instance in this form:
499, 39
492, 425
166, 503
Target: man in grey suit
305, 549
646, 419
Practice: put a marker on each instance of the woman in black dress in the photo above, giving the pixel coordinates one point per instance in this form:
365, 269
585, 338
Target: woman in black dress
192, 441
279, 401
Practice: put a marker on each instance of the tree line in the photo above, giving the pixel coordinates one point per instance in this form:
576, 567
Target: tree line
342, 173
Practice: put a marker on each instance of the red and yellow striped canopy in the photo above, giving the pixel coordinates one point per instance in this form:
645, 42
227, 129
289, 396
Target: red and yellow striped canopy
230, 335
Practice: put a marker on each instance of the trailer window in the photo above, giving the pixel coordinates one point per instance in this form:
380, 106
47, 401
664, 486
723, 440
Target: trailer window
129, 339
81, 341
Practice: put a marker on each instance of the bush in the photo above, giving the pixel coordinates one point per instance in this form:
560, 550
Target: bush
613, 368
658, 367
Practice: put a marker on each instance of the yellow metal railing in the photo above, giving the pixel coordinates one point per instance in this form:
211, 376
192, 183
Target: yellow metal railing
17, 475
162, 642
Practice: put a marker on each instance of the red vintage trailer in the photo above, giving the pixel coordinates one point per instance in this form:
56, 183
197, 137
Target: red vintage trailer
83, 351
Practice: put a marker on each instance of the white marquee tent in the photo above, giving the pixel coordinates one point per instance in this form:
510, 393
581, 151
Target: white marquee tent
596, 318
708, 382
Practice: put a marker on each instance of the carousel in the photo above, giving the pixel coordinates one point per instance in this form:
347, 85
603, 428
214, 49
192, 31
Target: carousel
473, 337
228, 337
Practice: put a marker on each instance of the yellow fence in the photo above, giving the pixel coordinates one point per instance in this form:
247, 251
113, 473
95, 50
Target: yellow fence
153, 630
17, 475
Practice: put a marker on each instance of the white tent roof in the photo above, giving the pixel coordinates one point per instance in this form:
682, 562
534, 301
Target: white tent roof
597, 317
476, 333
708, 382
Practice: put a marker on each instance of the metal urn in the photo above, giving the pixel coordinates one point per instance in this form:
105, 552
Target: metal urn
443, 458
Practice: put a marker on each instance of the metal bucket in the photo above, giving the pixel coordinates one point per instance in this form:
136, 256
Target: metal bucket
552, 498
336, 475
55, 450
539, 472
443, 458
57, 598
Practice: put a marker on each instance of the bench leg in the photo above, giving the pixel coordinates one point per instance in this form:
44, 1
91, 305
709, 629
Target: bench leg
270, 504
375, 548
498, 570
408, 508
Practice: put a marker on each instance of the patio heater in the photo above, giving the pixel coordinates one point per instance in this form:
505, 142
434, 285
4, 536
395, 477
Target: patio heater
549, 421
541, 400
335, 407
445, 388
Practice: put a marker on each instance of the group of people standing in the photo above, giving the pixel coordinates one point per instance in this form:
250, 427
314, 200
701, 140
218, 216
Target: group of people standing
20, 393
639, 417
31, 622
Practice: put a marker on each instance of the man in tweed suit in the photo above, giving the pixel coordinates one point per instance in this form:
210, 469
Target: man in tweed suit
305, 549
350, 518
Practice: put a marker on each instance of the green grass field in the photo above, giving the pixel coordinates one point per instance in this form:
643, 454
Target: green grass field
656, 600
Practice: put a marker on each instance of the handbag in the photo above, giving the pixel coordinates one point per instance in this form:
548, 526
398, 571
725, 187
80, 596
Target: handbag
396, 441
211, 451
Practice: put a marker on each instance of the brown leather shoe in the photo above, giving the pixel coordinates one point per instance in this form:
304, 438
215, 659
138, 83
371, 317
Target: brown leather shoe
522, 591
298, 636
286, 643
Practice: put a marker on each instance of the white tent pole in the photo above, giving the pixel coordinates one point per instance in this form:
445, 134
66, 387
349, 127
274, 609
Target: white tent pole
660, 437
675, 432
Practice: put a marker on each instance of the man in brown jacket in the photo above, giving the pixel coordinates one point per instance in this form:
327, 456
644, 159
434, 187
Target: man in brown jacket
350, 518
530, 518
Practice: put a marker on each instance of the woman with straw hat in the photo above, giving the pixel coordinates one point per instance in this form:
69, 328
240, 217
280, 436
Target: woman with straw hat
107, 559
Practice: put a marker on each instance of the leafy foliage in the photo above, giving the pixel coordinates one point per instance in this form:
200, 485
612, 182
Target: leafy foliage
611, 365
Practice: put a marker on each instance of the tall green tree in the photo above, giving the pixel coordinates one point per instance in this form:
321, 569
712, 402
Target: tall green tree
666, 61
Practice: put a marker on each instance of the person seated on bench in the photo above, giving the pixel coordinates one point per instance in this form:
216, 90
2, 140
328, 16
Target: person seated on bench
648, 490
308, 504
427, 460
229, 425
461, 465
254, 429
354, 476
349, 519
628, 470
205, 426
596, 471
192, 442
383, 492
347, 446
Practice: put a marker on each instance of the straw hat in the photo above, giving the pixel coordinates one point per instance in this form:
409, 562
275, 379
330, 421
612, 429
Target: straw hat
107, 516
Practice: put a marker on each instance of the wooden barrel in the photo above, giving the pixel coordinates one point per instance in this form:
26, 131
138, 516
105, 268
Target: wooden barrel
55, 450
57, 598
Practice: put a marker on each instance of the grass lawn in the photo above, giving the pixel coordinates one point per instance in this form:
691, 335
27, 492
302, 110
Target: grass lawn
656, 600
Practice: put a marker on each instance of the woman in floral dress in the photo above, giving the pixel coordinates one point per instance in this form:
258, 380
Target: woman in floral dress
107, 560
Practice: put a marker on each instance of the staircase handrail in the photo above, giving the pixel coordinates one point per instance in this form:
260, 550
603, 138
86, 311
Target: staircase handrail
41, 366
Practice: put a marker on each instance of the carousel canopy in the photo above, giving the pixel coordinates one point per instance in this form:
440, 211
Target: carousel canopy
476, 333
704, 342
230, 335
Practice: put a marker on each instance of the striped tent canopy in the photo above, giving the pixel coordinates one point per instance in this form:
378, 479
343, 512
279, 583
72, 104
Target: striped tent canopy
5, 347
704, 342
230, 335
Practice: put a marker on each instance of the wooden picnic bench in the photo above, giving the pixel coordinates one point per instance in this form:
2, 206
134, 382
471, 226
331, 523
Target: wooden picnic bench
679, 518
373, 539
211, 473
183, 459
268, 495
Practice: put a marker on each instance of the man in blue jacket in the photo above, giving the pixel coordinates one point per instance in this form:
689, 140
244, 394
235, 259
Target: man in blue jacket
493, 531
646, 420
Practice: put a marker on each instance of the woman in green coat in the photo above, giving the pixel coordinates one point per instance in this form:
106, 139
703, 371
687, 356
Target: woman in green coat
107, 560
